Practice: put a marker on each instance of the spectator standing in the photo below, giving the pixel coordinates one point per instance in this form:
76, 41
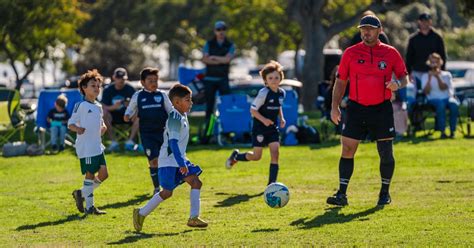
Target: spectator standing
218, 52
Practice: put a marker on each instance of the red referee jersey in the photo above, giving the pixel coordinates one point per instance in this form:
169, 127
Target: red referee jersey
368, 69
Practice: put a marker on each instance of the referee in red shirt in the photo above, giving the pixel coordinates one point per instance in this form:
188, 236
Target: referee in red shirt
374, 70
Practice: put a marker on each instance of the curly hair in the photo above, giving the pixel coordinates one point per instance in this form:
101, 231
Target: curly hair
271, 67
88, 76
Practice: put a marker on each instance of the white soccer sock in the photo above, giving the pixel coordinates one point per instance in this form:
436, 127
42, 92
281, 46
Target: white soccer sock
195, 198
87, 192
151, 205
97, 182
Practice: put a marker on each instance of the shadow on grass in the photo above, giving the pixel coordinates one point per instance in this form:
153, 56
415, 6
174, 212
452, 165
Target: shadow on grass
266, 230
134, 201
332, 216
72, 217
136, 236
235, 199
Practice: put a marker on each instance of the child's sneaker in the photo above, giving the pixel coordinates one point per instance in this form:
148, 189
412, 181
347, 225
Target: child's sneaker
95, 211
196, 222
129, 146
138, 219
54, 147
61, 148
232, 159
77, 194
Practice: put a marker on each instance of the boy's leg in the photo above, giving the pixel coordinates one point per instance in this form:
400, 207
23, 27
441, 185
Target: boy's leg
254, 155
88, 190
154, 174
54, 137
195, 200
139, 214
62, 136
274, 153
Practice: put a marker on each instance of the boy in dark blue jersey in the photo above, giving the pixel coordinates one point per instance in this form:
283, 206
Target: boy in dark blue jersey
151, 106
265, 109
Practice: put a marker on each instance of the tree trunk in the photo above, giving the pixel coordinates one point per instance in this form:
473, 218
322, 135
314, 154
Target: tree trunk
314, 41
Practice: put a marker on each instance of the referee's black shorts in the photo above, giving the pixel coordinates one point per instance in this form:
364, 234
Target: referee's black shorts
375, 121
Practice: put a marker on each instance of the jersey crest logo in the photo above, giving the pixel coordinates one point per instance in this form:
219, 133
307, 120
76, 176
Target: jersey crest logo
382, 65
157, 98
361, 61
260, 138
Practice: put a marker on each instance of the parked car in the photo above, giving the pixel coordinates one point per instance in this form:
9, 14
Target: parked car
463, 76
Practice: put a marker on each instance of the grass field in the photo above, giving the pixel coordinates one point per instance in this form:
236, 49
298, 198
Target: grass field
432, 195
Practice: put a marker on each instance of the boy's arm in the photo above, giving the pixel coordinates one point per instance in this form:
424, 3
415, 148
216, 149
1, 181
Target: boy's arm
256, 104
174, 129
132, 108
167, 102
282, 118
75, 118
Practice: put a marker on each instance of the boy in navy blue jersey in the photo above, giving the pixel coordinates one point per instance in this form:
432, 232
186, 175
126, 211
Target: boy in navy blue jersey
265, 109
151, 106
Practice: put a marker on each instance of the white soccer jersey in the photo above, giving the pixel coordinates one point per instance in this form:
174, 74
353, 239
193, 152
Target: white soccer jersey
89, 116
177, 127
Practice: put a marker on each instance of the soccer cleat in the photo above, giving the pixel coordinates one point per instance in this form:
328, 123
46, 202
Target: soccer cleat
232, 159
95, 211
196, 222
338, 199
384, 199
138, 219
77, 194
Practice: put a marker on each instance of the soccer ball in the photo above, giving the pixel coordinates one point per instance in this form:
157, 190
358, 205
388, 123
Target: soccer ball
276, 195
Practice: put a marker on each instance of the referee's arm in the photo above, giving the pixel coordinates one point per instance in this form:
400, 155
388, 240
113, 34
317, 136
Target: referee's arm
337, 95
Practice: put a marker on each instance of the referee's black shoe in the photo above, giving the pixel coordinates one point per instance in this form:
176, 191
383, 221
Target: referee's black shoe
338, 199
384, 199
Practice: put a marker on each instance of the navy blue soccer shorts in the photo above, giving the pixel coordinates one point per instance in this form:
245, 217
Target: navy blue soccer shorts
151, 143
170, 177
261, 138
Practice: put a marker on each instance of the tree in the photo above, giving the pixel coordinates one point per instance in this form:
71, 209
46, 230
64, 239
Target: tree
320, 20
29, 28
115, 51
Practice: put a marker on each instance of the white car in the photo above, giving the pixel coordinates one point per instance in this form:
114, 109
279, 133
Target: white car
463, 75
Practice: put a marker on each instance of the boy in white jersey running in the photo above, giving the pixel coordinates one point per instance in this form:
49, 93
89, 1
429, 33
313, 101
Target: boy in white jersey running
87, 121
173, 166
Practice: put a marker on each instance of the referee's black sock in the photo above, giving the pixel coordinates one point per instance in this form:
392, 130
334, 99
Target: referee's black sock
346, 167
241, 157
273, 173
387, 163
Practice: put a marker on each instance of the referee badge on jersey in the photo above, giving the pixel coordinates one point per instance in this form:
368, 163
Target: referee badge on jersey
260, 138
382, 65
158, 98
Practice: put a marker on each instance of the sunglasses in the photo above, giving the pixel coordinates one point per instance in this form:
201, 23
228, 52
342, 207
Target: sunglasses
220, 29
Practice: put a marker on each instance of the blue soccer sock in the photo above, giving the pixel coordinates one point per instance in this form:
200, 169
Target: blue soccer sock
241, 157
273, 173
154, 177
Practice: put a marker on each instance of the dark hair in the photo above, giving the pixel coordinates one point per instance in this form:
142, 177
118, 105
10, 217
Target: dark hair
271, 67
88, 76
180, 91
148, 71
61, 101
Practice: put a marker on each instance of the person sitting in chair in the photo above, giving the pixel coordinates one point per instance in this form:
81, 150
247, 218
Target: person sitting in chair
438, 87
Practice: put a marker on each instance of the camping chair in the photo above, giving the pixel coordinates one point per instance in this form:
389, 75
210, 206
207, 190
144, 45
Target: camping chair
234, 122
46, 101
11, 117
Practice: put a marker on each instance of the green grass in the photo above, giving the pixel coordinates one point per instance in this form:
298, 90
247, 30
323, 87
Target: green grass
432, 194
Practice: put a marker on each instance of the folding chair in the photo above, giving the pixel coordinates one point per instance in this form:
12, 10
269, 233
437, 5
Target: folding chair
46, 101
11, 118
234, 122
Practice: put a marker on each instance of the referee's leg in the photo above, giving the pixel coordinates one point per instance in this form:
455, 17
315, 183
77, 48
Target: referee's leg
387, 167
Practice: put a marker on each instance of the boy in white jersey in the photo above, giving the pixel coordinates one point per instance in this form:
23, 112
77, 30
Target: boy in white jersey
86, 120
173, 166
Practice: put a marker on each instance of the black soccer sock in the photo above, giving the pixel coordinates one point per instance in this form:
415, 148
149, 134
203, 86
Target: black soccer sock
346, 167
387, 163
273, 173
241, 157
154, 177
